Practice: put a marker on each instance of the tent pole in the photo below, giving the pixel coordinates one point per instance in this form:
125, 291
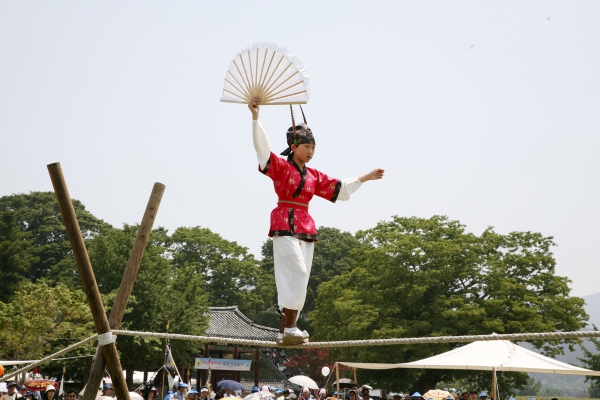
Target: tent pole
494, 383
337, 378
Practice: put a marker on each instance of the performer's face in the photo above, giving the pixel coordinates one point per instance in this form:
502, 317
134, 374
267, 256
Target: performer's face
304, 152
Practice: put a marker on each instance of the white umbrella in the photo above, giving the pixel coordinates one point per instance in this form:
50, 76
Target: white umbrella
135, 396
303, 380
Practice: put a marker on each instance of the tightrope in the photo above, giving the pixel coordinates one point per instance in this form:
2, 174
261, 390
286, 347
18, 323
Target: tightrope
371, 342
314, 345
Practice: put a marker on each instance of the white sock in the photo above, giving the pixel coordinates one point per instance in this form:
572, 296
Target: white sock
292, 330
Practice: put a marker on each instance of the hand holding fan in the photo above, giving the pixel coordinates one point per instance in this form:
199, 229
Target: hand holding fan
267, 71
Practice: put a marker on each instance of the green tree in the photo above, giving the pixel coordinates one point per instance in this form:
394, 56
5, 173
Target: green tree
428, 277
161, 293
40, 319
594, 390
231, 275
16, 254
38, 215
591, 360
531, 388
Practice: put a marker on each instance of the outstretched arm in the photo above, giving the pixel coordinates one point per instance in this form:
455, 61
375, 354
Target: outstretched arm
259, 136
371, 176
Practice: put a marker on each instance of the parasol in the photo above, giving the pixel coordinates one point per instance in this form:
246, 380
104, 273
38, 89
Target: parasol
228, 384
437, 395
40, 384
345, 382
267, 71
303, 380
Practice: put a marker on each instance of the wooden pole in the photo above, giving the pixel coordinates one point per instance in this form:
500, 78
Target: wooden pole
355, 380
88, 279
337, 378
131, 270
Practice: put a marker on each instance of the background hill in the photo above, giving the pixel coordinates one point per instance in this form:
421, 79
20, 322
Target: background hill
570, 385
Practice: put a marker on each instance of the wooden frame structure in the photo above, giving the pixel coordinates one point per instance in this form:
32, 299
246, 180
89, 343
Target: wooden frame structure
106, 354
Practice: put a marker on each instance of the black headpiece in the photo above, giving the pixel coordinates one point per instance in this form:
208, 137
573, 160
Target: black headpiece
297, 134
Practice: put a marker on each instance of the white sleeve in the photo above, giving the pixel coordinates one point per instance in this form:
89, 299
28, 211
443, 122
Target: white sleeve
349, 186
261, 143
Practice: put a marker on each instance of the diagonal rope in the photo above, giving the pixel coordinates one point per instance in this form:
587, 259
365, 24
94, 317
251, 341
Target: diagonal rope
48, 358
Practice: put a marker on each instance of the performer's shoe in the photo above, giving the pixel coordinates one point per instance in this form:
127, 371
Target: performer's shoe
291, 336
305, 336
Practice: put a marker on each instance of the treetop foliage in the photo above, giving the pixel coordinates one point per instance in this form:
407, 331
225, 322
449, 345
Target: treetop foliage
417, 277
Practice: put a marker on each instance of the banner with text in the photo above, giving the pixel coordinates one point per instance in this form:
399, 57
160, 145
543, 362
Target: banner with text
223, 364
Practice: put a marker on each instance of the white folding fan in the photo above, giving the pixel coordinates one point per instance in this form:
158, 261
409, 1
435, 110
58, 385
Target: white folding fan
267, 71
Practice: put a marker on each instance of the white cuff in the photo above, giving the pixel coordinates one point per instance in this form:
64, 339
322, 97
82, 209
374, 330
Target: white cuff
349, 186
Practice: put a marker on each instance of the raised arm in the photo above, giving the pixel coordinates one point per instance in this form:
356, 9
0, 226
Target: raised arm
259, 136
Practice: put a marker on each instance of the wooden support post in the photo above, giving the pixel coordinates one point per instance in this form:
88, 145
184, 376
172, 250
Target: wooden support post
337, 378
129, 275
256, 366
236, 356
355, 380
88, 279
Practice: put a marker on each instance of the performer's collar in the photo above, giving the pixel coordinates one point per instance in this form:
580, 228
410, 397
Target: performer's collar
302, 170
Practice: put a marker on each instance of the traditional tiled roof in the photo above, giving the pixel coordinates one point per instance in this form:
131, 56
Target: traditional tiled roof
229, 322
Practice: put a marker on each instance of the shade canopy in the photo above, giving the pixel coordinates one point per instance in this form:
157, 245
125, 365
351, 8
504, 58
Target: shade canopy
501, 355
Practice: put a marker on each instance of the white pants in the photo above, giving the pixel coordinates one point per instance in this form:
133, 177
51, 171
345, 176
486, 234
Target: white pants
293, 261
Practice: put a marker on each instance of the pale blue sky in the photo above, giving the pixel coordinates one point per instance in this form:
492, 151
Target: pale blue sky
487, 112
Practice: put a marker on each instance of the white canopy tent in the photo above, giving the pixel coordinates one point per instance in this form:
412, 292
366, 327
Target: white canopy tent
493, 355
501, 355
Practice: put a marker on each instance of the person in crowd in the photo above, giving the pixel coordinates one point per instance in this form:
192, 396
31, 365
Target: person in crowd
204, 393
153, 394
473, 394
322, 394
306, 393
107, 390
416, 396
71, 395
50, 393
483, 396
366, 395
464, 396
286, 394
22, 390
169, 395
352, 395
227, 393
11, 391
193, 393
218, 396
181, 389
